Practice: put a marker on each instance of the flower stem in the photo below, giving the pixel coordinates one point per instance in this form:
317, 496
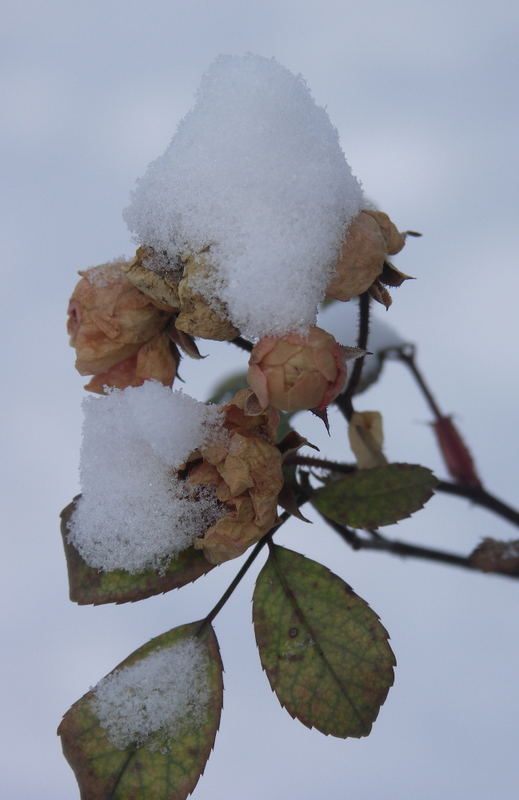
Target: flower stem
241, 573
344, 400
407, 356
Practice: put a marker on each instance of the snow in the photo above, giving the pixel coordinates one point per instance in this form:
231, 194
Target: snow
256, 172
157, 696
134, 512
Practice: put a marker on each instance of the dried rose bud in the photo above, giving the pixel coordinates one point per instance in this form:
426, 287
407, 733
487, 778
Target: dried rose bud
196, 316
293, 372
155, 360
109, 321
366, 438
162, 290
246, 474
370, 238
455, 452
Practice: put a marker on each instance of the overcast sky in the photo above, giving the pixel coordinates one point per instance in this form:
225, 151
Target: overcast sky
424, 96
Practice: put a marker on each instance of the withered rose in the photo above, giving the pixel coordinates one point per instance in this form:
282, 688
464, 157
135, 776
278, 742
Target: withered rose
196, 316
247, 477
177, 287
117, 331
370, 238
293, 372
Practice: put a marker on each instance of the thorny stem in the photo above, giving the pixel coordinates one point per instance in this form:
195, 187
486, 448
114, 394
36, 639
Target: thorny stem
407, 356
344, 400
480, 497
241, 573
476, 494
397, 548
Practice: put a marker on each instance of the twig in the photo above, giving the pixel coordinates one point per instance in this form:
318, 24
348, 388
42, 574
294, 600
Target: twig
476, 494
344, 400
398, 548
241, 573
481, 498
406, 354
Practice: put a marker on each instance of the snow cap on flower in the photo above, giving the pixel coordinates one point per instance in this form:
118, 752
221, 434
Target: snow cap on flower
296, 372
136, 512
246, 475
256, 172
117, 331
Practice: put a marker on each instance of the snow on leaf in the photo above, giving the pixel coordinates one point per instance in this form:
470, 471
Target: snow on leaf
167, 698
91, 586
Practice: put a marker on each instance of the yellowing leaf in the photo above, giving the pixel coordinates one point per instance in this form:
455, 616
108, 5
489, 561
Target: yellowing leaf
163, 768
379, 496
324, 650
88, 585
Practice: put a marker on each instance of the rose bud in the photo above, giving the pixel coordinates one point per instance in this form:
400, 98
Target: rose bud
295, 372
370, 238
197, 316
246, 474
109, 321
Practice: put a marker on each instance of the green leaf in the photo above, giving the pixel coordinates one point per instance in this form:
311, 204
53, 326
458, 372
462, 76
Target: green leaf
170, 772
380, 496
88, 585
324, 650
226, 389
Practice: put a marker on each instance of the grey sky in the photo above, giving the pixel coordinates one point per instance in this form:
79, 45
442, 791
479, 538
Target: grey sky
425, 99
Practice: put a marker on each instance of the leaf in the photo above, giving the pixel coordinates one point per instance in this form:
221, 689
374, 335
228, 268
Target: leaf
227, 388
88, 585
171, 772
379, 496
324, 650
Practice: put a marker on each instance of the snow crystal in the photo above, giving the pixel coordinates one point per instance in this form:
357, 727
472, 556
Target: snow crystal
256, 172
134, 513
155, 697
341, 320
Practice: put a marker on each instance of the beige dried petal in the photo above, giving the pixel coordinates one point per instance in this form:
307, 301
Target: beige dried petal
154, 361
366, 439
241, 414
196, 316
395, 240
361, 259
161, 290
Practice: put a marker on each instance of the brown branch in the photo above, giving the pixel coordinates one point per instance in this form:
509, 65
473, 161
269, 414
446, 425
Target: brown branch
398, 548
476, 494
481, 498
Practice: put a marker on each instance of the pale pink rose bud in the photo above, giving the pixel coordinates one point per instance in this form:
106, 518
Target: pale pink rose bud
295, 372
109, 321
